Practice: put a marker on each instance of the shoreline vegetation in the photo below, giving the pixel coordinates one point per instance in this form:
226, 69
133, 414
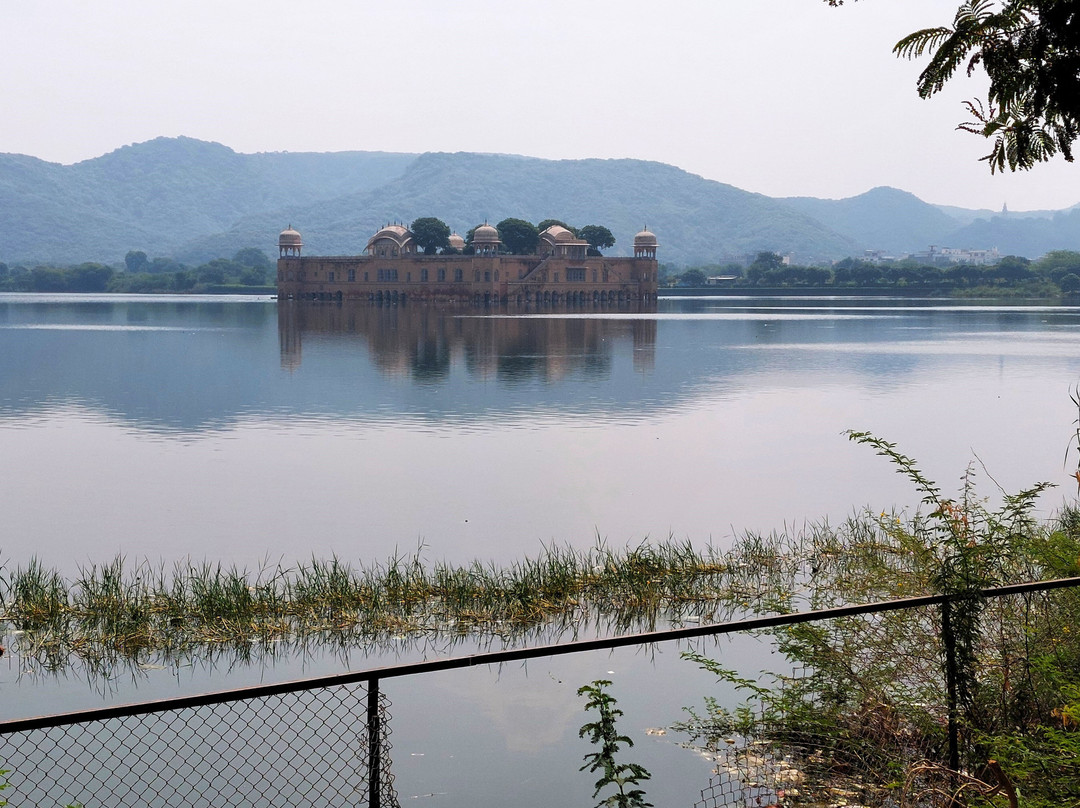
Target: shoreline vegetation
248, 271
138, 611
1055, 276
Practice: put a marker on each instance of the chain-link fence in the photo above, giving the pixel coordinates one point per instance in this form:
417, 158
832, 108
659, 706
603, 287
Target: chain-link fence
306, 748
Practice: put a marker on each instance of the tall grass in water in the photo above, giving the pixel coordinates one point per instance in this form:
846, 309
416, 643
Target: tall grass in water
136, 609
139, 608
35, 594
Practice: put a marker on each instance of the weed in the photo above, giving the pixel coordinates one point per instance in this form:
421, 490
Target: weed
874, 696
603, 734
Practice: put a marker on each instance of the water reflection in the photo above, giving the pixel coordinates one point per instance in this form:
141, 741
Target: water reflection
191, 366
422, 343
47, 658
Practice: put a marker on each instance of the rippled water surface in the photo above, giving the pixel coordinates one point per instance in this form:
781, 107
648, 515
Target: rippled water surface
247, 431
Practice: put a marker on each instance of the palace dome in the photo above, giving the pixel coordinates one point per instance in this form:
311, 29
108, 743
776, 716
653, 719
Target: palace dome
395, 231
400, 235
645, 239
290, 238
456, 241
560, 233
486, 234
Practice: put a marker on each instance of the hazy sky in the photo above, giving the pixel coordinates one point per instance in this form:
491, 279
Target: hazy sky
783, 97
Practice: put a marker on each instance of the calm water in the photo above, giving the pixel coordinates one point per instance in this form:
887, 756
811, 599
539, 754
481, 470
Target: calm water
244, 430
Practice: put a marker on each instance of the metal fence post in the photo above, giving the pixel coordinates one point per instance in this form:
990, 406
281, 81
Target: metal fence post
949, 642
374, 745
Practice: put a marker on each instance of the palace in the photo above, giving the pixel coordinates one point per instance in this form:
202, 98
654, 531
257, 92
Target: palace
561, 272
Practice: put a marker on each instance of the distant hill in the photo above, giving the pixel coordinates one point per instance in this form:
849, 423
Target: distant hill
881, 219
696, 220
157, 196
1017, 235
966, 216
899, 222
193, 200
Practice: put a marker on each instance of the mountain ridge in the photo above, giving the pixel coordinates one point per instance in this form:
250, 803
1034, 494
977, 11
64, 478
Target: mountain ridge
194, 200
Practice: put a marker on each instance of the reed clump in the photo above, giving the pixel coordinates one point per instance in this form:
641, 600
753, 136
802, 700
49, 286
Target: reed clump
135, 609
123, 609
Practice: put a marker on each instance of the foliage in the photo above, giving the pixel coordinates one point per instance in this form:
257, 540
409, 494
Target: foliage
699, 275
82, 278
763, 264
430, 234
1010, 276
598, 236
518, 236
968, 549
254, 258
1056, 264
603, 733
136, 261
250, 267
161, 265
692, 277
1030, 51
867, 704
767, 260
1013, 268
120, 610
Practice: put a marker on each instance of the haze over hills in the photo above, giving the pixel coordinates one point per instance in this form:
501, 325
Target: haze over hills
193, 200
891, 220
698, 219
159, 195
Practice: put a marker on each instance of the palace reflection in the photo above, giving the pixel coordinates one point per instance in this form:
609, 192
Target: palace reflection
423, 342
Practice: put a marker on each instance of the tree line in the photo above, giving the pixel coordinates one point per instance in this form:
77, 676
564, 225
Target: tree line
247, 269
518, 236
1055, 273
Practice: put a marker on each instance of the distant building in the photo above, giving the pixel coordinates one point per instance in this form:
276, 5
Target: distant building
955, 255
880, 257
393, 270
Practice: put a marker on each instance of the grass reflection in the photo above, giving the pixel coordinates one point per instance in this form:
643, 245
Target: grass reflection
125, 615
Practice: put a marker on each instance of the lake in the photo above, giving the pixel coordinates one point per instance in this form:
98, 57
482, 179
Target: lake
255, 432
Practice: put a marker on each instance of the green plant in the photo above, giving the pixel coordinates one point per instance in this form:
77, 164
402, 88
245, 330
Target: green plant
874, 701
603, 734
4, 785
971, 548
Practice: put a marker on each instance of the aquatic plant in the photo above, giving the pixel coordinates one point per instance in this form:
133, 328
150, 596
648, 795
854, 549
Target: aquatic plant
136, 609
604, 735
